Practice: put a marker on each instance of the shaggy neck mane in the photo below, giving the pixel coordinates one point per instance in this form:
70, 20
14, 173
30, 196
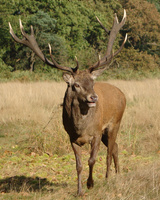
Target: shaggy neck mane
76, 109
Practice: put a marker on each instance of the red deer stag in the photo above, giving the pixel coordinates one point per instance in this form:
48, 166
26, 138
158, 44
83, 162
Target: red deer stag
91, 112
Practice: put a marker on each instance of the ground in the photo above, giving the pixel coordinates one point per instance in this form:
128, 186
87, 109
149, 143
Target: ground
37, 162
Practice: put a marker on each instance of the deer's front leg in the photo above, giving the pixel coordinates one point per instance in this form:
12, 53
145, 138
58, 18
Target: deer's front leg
94, 150
77, 152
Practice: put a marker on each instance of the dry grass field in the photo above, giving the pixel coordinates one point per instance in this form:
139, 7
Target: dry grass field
37, 162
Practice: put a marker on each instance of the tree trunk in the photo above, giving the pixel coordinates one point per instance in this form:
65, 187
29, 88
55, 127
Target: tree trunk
32, 61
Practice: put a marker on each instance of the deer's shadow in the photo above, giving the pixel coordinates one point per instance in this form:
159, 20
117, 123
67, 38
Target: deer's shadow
28, 184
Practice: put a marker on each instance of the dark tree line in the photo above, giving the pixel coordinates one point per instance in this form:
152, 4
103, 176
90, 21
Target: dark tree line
71, 29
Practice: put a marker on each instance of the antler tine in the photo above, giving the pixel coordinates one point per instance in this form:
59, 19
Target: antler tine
32, 31
124, 41
21, 26
50, 49
10, 29
13, 34
77, 67
124, 17
116, 21
107, 31
22, 29
50, 52
95, 66
56, 65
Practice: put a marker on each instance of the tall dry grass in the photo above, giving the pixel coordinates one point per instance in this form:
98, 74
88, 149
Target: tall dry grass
35, 107
29, 101
30, 116
141, 122
33, 111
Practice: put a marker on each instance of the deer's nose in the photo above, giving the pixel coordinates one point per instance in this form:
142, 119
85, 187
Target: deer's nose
93, 98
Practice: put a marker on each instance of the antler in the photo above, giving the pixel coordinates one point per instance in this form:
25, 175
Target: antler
112, 36
30, 41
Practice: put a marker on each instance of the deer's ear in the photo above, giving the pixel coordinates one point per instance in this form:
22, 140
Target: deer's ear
95, 74
68, 78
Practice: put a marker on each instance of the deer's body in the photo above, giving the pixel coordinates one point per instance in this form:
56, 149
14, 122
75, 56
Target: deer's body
81, 125
91, 112
92, 123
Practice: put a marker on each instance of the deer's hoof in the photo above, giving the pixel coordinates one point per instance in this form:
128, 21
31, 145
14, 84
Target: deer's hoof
90, 184
80, 193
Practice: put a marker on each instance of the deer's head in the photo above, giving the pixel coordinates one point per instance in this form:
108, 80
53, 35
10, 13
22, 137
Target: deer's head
82, 84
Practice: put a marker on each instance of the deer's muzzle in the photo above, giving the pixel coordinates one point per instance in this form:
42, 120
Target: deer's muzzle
91, 100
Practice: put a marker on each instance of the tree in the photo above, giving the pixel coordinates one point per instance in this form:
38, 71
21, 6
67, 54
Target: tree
143, 24
156, 2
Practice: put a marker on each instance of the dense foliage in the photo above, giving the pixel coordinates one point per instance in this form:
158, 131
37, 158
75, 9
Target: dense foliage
71, 29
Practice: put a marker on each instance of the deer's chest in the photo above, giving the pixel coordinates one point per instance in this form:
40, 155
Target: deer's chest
80, 127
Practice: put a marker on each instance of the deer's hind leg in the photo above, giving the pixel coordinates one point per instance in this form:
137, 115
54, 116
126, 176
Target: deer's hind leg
109, 138
115, 157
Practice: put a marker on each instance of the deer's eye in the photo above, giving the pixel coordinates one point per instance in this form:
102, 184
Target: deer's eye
76, 85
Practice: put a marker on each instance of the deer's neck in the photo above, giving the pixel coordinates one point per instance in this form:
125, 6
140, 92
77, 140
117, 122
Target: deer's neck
78, 112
